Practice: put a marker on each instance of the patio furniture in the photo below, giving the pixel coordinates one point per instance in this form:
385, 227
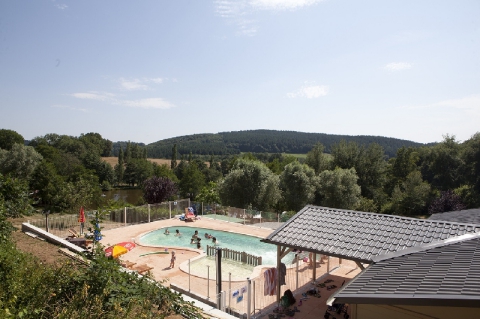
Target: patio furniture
141, 269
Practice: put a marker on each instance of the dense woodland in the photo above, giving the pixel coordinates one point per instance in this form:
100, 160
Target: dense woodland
61, 173
265, 141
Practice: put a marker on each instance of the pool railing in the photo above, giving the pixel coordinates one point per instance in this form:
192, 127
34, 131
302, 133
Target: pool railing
239, 256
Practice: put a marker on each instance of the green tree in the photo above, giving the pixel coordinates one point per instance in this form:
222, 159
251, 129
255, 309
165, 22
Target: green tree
164, 171
339, 188
250, 183
120, 167
192, 181
317, 160
15, 197
173, 163
20, 161
369, 163
442, 163
410, 197
8, 138
209, 194
298, 183
471, 159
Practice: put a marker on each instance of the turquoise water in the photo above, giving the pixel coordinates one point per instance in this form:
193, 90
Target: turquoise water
249, 244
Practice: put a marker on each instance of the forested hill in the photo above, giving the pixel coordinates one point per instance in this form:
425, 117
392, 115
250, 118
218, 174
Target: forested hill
269, 141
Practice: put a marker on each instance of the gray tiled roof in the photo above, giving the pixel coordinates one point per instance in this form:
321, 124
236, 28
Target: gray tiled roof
471, 216
361, 236
447, 275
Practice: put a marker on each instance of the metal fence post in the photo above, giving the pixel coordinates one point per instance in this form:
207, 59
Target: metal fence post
249, 297
125, 216
229, 289
170, 209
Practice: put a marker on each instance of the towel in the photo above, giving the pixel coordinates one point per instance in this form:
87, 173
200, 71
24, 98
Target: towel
270, 282
282, 274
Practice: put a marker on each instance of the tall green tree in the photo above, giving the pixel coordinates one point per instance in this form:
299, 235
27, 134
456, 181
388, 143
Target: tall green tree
298, 183
192, 181
339, 188
173, 163
120, 167
15, 197
250, 183
410, 197
20, 161
369, 163
209, 194
8, 138
317, 160
442, 163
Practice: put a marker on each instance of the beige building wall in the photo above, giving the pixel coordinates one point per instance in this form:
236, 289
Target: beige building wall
362, 311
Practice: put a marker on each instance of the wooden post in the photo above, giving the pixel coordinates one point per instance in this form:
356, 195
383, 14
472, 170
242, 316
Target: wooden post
279, 259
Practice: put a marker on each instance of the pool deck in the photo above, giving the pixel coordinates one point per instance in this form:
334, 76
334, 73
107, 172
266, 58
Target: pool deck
311, 308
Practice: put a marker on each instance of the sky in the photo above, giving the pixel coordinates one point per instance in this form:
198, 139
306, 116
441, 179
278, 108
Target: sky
144, 71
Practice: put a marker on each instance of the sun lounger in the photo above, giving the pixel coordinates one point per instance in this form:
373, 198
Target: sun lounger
73, 232
127, 264
142, 268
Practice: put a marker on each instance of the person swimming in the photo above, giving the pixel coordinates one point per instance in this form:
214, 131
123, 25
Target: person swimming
178, 233
208, 236
167, 232
215, 241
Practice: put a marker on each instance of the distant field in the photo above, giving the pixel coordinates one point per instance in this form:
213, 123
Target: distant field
114, 161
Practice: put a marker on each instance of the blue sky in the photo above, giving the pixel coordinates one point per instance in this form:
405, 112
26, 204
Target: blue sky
149, 70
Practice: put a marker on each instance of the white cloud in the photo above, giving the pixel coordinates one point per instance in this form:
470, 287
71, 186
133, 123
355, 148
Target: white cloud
69, 107
152, 103
61, 6
110, 98
470, 104
309, 92
157, 80
131, 85
139, 84
239, 12
93, 96
282, 4
398, 66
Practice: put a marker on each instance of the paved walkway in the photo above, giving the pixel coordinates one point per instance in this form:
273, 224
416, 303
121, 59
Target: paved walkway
310, 308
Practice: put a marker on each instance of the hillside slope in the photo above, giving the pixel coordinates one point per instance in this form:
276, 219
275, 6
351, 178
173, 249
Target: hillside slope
269, 141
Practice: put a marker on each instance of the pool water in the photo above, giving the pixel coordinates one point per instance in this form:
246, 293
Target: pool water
249, 244
237, 270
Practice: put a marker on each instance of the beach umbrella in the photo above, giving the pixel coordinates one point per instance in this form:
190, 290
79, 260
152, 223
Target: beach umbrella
81, 219
119, 249
81, 215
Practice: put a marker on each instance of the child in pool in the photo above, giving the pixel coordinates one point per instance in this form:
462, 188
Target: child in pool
177, 233
167, 232
215, 241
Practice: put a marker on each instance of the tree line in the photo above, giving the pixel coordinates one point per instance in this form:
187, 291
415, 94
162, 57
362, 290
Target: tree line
62, 173
265, 141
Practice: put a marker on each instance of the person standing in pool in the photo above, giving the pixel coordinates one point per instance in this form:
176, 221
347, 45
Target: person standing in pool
172, 260
167, 232
177, 233
215, 241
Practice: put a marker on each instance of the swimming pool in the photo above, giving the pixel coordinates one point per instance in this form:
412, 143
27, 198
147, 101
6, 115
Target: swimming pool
249, 244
